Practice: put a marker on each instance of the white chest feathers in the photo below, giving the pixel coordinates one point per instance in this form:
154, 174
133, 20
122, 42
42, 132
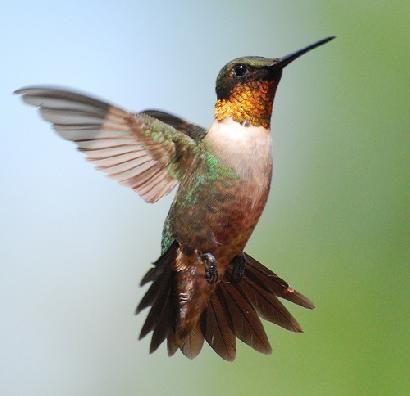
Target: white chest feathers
247, 149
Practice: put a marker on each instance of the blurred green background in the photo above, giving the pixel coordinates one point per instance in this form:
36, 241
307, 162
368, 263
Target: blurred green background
74, 245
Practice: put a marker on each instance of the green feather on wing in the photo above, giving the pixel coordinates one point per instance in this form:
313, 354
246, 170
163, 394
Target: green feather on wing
139, 150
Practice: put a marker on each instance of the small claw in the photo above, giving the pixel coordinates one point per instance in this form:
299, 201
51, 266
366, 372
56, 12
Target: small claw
211, 271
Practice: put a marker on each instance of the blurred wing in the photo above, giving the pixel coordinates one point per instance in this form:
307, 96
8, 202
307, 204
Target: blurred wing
136, 149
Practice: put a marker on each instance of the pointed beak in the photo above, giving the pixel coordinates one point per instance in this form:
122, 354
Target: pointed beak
285, 60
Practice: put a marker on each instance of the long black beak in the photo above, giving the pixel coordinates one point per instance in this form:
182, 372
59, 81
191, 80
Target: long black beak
284, 61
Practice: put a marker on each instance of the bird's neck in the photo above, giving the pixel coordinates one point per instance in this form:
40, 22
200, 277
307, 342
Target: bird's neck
249, 103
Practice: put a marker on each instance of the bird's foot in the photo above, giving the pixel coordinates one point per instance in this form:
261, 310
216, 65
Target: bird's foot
211, 272
238, 268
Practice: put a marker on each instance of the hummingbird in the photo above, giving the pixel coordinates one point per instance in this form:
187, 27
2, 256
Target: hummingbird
204, 286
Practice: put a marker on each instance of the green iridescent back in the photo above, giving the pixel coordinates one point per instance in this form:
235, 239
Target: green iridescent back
207, 180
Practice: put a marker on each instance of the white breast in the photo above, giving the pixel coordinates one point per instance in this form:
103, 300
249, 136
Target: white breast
247, 149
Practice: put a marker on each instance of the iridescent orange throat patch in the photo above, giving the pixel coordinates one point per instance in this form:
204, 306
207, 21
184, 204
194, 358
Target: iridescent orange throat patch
249, 102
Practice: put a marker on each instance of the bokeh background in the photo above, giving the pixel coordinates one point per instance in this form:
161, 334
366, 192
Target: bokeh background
74, 244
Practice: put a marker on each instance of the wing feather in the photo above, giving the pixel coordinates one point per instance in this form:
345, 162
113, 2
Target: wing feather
136, 149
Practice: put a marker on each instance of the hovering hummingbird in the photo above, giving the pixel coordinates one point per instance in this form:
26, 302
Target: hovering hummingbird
203, 286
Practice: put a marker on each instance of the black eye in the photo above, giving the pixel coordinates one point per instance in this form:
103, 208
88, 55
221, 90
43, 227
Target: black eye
240, 69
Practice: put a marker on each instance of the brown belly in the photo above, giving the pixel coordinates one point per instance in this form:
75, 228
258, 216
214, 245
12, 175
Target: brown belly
222, 219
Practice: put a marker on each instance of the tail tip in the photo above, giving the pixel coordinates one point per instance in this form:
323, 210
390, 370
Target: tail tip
267, 350
299, 298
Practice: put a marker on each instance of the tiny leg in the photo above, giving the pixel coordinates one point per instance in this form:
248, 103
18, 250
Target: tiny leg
211, 272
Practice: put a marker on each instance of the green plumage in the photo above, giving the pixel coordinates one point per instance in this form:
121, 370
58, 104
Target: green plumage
200, 185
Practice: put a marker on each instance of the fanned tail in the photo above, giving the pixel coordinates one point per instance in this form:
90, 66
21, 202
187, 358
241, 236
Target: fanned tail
268, 280
161, 318
234, 309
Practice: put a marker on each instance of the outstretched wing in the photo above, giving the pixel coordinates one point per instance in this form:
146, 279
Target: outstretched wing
136, 149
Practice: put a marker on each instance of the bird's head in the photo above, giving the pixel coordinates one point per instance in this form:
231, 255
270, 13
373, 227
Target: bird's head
246, 86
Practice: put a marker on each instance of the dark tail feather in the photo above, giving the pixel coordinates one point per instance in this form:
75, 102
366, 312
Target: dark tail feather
163, 323
160, 270
161, 317
193, 343
240, 303
217, 328
268, 280
162, 263
172, 344
268, 306
246, 324
154, 316
149, 297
